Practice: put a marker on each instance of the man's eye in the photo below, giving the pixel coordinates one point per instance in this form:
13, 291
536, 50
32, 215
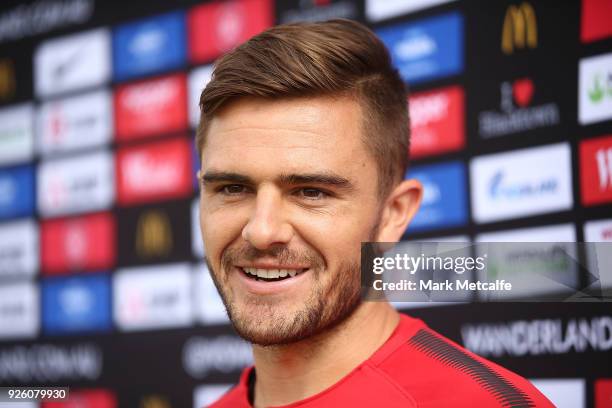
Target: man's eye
233, 189
312, 193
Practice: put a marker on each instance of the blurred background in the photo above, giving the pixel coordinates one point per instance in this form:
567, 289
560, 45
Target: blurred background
102, 284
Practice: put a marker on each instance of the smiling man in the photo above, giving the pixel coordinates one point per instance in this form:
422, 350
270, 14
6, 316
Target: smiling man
303, 141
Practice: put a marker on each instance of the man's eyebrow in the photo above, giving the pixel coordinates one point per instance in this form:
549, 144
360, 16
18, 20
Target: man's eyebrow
317, 178
330, 179
224, 176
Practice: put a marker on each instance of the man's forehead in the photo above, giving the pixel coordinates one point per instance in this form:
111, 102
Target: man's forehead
301, 113
319, 129
312, 116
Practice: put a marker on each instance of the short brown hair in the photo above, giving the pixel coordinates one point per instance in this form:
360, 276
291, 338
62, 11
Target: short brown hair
337, 57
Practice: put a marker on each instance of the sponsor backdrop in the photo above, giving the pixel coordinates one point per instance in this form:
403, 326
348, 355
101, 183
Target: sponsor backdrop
102, 284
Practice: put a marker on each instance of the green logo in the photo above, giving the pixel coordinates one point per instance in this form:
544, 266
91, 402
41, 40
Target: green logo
599, 90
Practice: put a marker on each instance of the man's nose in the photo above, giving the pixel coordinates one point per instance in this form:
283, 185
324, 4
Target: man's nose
267, 225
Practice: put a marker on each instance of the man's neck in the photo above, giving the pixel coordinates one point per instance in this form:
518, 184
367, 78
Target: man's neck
285, 374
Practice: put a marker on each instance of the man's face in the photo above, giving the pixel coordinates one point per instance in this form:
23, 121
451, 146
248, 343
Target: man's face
289, 193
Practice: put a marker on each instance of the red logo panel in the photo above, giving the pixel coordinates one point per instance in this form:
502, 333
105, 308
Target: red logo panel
220, 26
151, 107
603, 393
154, 172
85, 399
596, 20
437, 121
83, 243
596, 170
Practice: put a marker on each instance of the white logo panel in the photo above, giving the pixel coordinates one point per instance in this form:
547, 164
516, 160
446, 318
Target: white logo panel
563, 392
197, 244
209, 306
532, 262
16, 134
594, 89
521, 183
73, 62
18, 248
79, 184
599, 255
551, 233
19, 310
74, 123
155, 297
598, 231
205, 395
377, 10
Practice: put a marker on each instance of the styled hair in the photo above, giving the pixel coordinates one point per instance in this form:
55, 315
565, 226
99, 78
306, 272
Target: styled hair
333, 58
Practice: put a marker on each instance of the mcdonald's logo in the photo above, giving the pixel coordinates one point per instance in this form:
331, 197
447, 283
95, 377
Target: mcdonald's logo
154, 401
7, 79
520, 28
153, 235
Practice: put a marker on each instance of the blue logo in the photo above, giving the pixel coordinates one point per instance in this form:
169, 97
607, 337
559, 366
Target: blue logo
426, 49
76, 304
498, 189
17, 192
445, 196
149, 46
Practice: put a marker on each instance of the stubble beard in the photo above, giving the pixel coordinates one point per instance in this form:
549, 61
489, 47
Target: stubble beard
261, 322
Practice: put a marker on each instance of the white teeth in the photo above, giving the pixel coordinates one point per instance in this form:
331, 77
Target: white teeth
272, 273
251, 271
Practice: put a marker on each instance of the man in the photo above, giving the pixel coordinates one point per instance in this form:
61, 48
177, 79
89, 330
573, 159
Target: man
303, 141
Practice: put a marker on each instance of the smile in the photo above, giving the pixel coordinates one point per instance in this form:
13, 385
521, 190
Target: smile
271, 275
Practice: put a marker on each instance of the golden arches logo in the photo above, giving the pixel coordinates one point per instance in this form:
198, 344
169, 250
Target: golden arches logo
153, 234
7, 79
520, 28
154, 401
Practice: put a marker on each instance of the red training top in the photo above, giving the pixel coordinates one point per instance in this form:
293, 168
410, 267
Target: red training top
416, 367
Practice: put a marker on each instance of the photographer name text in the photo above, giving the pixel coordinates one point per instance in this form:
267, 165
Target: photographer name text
447, 285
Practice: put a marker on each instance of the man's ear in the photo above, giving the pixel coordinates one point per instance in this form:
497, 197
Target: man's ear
399, 208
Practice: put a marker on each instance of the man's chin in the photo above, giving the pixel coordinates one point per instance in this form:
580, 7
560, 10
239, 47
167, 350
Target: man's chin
263, 326
265, 338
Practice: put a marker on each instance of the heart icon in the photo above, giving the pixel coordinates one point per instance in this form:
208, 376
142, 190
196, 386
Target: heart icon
522, 89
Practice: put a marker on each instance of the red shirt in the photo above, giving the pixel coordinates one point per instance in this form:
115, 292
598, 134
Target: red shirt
416, 367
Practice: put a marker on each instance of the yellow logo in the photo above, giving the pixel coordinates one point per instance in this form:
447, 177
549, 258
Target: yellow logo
7, 79
520, 28
153, 234
154, 401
